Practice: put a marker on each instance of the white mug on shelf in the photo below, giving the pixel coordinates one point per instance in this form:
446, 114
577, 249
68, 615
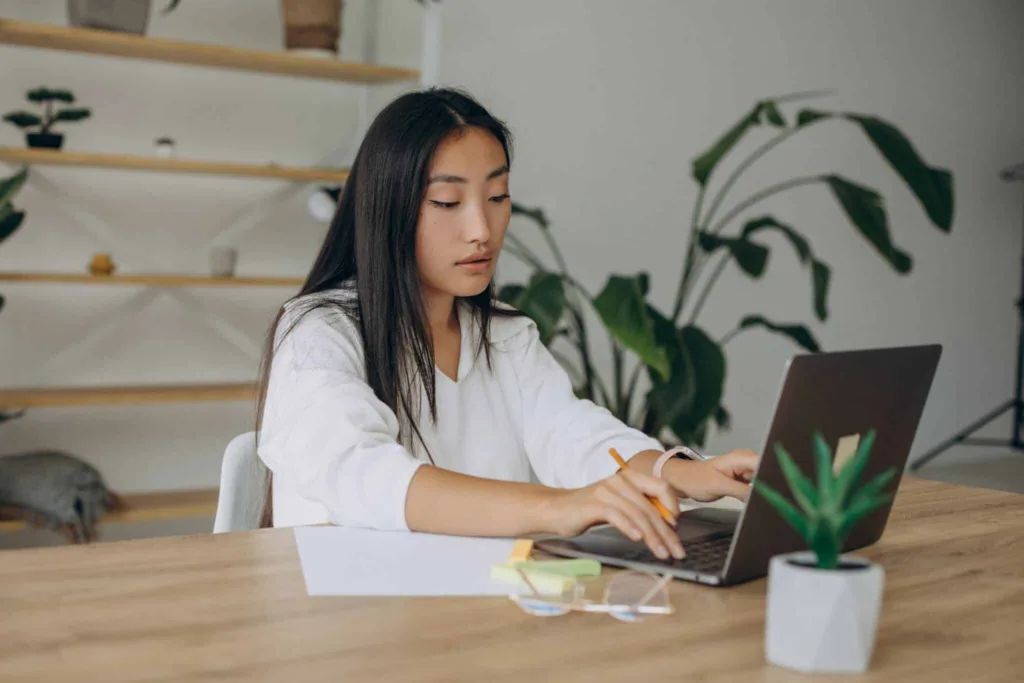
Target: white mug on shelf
223, 261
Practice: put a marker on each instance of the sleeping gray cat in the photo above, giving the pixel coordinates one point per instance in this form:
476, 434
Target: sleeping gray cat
54, 490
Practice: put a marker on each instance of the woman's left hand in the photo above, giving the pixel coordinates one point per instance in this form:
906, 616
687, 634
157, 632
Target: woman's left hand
714, 478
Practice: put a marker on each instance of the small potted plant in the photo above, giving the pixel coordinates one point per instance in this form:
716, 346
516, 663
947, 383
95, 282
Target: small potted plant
43, 137
164, 147
823, 607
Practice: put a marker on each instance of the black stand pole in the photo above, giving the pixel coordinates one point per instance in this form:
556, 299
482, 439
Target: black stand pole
1016, 404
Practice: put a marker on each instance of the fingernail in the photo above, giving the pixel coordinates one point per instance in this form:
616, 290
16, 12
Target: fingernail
661, 552
678, 553
634, 534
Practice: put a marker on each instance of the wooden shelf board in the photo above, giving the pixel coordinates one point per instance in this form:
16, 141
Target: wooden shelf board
148, 507
152, 280
114, 44
49, 157
125, 395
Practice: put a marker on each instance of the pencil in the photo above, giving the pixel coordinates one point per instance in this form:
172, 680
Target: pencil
666, 515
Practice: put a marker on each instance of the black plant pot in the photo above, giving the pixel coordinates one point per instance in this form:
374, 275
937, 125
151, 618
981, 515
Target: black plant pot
45, 140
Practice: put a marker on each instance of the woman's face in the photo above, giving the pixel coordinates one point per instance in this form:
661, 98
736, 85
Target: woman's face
464, 215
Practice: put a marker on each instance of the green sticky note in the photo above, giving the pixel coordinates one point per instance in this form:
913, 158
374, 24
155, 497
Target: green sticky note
549, 577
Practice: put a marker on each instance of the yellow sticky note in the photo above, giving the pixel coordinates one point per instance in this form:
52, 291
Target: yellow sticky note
521, 551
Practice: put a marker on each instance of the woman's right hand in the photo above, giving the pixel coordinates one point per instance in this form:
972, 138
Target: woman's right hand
620, 501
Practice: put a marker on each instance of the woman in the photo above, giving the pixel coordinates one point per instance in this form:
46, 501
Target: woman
398, 395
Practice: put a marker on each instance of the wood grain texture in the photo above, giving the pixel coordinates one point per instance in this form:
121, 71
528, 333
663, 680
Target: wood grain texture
233, 608
125, 162
111, 43
125, 395
151, 507
155, 280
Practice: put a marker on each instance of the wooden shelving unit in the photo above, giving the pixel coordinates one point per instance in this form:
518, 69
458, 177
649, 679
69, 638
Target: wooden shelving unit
152, 280
125, 395
113, 44
47, 157
148, 507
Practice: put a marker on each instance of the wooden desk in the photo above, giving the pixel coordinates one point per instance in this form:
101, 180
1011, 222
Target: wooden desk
234, 608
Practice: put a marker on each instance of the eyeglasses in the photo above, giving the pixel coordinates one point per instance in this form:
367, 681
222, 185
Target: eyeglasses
629, 597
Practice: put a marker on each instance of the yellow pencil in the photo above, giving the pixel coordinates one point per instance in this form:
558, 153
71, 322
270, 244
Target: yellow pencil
657, 503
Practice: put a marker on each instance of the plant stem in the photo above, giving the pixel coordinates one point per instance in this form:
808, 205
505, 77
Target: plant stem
707, 288
763, 194
631, 391
744, 165
728, 337
691, 247
617, 370
47, 117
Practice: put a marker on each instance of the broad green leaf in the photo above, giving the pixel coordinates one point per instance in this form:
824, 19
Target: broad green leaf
623, 310
536, 215
820, 272
864, 208
9, 220
750, 256
23, 119
772, 114
821, 276
10, 186
706, 162
72, 114
671, 397
803, 490
850, 473
932, 186
722, 417
823, 468
543, 300
798, 333
709, 371
785, 509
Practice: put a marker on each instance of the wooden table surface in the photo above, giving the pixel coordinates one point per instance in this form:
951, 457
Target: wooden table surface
234, 608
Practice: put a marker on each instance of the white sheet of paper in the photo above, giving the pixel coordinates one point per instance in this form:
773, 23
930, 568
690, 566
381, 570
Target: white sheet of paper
344, 561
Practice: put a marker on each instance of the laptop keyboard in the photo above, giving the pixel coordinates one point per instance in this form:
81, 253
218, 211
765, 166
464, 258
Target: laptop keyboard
707, 556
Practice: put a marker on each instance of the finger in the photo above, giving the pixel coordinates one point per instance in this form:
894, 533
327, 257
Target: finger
621, 522
659, 488
651, 526
726, 486
665, 532
737, 464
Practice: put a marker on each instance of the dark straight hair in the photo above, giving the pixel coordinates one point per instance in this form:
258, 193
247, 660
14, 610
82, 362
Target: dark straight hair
372, 242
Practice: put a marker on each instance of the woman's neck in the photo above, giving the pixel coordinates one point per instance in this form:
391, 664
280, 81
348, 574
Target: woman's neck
441, 317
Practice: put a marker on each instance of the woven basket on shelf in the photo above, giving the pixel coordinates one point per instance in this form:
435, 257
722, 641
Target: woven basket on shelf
312, 24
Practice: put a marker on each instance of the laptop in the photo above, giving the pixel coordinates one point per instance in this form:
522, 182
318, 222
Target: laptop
843, 395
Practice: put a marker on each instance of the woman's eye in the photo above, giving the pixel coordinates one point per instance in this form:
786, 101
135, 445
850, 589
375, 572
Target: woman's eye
444, 205
500, 197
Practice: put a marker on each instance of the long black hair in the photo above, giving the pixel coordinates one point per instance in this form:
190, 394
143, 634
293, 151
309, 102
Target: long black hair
372, 242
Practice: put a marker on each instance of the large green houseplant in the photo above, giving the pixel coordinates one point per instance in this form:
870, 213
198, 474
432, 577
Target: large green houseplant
685, 366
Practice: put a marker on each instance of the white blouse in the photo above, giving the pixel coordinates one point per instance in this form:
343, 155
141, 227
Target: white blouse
333, 445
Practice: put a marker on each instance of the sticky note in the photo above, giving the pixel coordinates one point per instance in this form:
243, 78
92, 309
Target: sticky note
521, 551
549, 577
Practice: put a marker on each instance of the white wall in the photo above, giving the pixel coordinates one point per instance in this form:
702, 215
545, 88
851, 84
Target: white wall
609, 102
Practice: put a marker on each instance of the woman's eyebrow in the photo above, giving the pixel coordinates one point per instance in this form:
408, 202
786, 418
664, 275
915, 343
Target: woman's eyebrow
447, 178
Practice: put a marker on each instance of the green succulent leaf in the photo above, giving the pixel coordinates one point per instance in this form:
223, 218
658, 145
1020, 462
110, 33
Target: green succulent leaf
802, 488
823, 468
850, 473
786, 510
858, 511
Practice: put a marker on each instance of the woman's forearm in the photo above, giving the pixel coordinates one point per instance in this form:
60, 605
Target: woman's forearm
444, 502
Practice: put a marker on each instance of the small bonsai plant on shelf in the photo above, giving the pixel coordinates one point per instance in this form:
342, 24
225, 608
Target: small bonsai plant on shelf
39, 127
818, 600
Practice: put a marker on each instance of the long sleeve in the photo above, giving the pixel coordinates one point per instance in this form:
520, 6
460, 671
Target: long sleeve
567, 438
326, 435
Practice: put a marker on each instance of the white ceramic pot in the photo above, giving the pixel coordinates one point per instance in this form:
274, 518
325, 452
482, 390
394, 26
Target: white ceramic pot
822, 620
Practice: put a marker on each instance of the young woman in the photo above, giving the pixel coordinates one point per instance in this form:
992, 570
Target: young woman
397, 393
